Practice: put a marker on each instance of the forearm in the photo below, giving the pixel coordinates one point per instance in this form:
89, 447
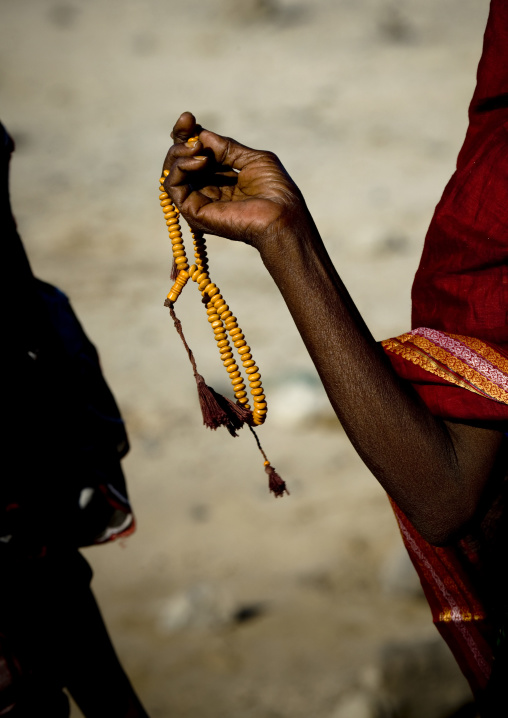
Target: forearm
413, 454
434, 470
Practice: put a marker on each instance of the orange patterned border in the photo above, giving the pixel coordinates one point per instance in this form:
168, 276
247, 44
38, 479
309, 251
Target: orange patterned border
422, 360
491, 355
462, 369
421, 351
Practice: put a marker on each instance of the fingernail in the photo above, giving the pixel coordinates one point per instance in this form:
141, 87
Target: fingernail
192, 142
199, 157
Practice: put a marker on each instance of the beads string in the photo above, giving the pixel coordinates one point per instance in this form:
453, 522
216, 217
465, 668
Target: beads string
222, 322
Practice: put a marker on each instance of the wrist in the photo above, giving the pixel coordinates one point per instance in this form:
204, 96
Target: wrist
291, 240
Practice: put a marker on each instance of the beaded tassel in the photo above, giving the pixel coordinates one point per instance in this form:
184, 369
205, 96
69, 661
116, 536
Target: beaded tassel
217, 410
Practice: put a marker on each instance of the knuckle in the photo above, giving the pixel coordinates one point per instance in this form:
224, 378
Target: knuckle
270, 156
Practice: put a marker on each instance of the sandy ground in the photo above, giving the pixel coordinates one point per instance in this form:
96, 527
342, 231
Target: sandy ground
226, 602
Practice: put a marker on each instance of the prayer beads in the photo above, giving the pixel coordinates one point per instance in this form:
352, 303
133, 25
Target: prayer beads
220, 317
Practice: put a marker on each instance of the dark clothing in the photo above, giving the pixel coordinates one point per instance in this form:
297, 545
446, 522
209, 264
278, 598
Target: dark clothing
55, 637
63, 488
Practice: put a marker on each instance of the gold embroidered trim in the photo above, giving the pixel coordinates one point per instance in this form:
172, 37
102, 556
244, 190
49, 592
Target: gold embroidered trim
449, 616
462, 369
411, 353
491, 355
424, 353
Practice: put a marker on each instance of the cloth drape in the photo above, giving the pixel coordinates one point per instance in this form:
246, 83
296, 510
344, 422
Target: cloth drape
464, 582
456, 358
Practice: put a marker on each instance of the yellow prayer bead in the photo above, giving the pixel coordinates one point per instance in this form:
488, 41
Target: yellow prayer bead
219, 315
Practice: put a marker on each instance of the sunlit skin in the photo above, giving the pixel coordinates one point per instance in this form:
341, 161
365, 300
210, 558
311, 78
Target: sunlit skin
435, 470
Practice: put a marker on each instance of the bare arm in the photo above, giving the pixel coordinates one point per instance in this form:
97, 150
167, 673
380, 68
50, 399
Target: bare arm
435, 470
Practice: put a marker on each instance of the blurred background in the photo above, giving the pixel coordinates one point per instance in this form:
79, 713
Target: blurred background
226, 602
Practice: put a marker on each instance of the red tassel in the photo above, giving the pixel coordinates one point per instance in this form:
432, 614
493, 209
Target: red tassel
276, 485
174, 271
218, 410
238, 413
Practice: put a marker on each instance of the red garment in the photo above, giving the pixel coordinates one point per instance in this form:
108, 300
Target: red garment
461, 285
463, 582
456, 357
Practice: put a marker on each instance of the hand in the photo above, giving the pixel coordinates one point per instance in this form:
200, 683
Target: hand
222, 187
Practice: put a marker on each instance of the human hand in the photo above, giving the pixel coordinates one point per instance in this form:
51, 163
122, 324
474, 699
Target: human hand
222, 187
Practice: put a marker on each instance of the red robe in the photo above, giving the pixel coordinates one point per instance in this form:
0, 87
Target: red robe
456, 358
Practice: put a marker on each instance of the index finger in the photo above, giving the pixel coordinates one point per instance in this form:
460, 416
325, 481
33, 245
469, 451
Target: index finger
227, 151
185, 127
